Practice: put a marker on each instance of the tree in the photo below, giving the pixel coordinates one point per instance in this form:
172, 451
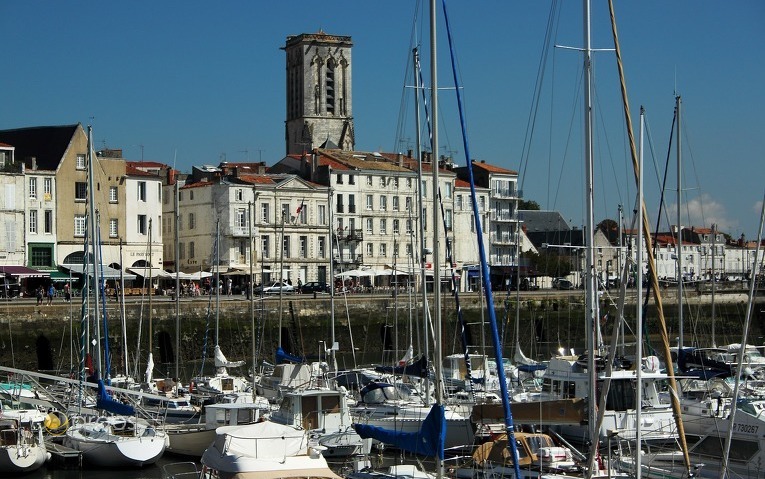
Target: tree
528, 205
610, 228
549, 262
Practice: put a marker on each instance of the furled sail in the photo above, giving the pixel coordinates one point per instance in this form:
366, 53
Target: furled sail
222, 362
107, 403
428, 441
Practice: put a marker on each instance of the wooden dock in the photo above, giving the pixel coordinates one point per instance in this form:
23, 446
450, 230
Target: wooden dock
63, 457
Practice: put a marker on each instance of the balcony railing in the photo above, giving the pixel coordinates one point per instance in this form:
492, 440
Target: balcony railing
349, 234
509, 193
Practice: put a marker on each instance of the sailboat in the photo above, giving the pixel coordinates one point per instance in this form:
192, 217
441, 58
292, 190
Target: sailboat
119, 439
222, 382
22, 447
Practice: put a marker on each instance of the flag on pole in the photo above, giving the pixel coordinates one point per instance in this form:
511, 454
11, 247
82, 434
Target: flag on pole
300, 208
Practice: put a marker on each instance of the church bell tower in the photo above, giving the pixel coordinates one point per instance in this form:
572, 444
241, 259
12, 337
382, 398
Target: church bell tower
319, 113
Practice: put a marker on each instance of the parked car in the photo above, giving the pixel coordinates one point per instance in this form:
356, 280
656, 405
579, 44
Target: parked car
563, 284
10, 290
275, 288
314, 287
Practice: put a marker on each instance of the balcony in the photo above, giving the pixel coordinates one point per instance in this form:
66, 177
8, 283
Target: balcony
505, 239
349, 234
504, 216
506, 193
350, 259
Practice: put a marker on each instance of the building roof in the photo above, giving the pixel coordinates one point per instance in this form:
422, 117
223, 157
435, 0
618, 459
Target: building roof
46, 143
492, 168
131, 170
356, 160
540, 220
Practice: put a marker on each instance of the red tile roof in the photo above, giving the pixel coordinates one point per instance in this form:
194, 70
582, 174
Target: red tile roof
492, 169
198, 184
133, 171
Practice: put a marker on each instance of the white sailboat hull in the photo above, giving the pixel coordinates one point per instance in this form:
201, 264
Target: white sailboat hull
189, 440
22, 458
100, 447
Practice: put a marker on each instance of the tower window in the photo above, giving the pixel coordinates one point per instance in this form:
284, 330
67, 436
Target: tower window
330, 87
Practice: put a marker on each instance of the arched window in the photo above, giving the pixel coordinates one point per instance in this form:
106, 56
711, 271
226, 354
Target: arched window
77, 258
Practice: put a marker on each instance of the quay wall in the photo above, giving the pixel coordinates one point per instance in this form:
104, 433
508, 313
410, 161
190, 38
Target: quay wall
369, 329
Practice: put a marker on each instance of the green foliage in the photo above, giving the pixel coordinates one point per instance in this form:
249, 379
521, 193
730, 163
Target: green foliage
528, 205
549, 262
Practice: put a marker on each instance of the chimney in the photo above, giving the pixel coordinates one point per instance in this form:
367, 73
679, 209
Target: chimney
314, 164
171, 176
400, 159
34, 162
409, 153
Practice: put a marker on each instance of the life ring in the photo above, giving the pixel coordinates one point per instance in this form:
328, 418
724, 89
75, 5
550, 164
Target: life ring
56, 423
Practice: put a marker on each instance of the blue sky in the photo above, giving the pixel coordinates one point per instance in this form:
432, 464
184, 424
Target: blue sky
200, 81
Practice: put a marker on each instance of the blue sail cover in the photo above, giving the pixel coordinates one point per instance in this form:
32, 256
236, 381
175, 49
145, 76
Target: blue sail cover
428, 441
107, 403
416, 369
284, 357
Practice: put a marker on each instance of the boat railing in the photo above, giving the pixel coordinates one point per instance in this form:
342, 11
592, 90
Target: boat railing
181, 470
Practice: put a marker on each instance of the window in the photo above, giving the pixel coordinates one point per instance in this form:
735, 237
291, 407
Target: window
408, 226
286, 246
33, 221
383, 226
351, 179
79, 225
383, 202
285, 212
408, 249
191, 195
409, 183
370, 227
181, 251
304, 246
339, 180
459, 202
382, 182
424, 188
191, 249
448, 219
396, 248
395, 182
351, 203
322, 213
141, 226
159, 193
448, 189
239, 194
425, 219
33, 187
383, 249
241, 218
339, 203
141, 191
408, 203
48, 189
113, 194
395, 203
264, 245
41, 256
370, 249
192, 222
369, 202
180, 222
80, 191
369, 181
395, 227
482, 202
80, 164
322, 247
265, 215
48, 222
113, 228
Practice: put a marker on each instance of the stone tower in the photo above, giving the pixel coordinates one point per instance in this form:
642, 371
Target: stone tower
319, 112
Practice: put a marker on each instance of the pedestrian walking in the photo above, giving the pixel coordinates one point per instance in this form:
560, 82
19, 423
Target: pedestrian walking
51, 293
67, 293
39, 292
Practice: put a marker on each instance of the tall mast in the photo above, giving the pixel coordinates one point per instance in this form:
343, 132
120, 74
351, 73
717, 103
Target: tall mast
176, 239
93, 246
420, 215
639, 312
331, 279
714, 281
217, 282
679, 243
436, 240
590, 285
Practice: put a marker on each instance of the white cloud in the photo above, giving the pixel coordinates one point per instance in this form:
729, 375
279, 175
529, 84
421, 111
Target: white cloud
704, 211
